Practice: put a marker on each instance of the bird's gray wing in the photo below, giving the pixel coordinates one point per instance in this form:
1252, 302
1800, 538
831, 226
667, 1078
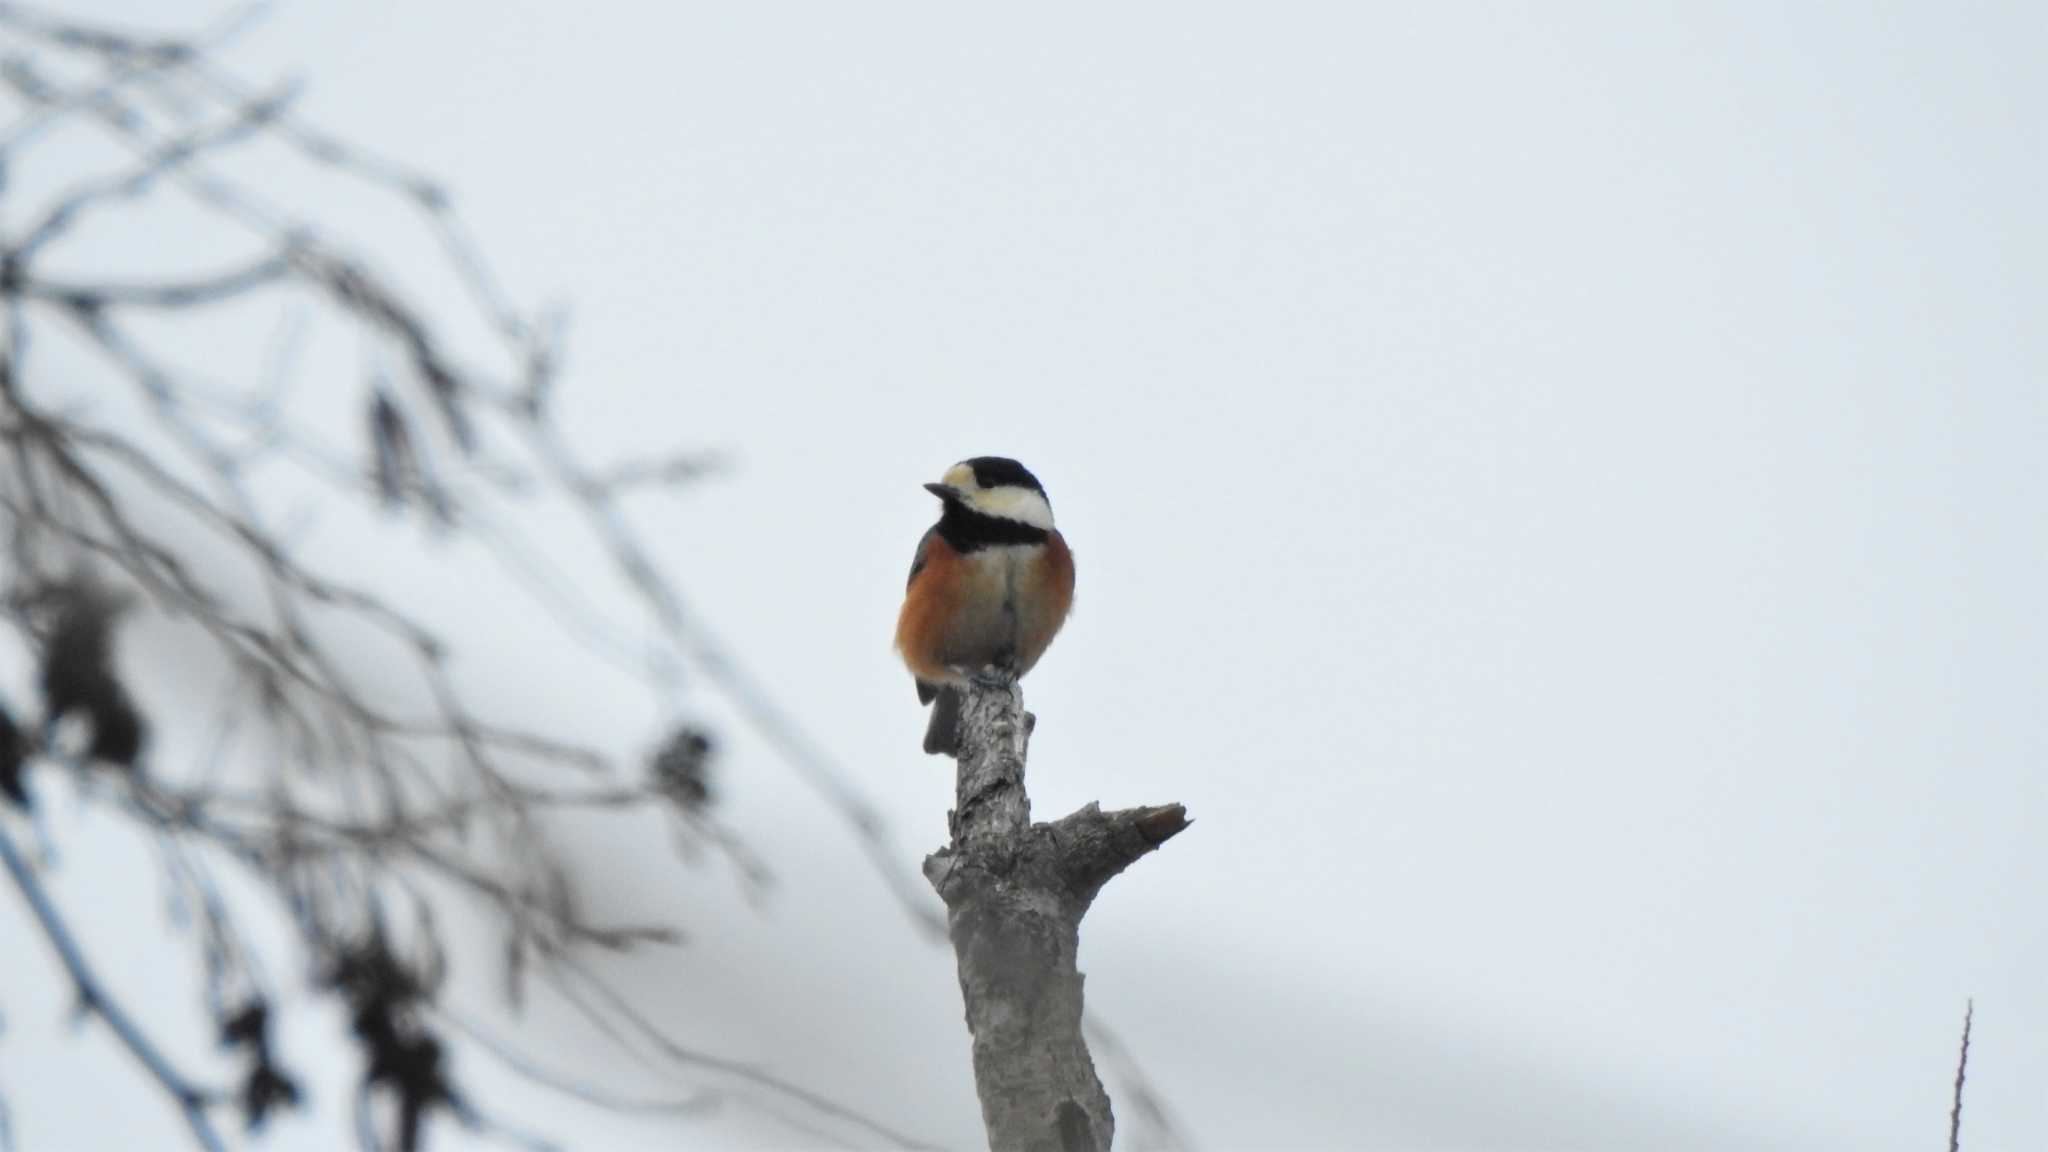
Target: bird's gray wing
924, 544
925, 691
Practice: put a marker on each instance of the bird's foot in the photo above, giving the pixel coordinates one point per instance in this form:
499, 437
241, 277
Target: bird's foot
994, 676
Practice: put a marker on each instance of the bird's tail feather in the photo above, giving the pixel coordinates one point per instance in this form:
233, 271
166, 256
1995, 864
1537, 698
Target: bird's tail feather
942, 736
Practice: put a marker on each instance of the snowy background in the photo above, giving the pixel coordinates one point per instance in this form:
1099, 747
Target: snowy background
1560, 499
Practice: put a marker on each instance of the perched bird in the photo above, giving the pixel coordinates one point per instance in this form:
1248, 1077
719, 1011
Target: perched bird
990, 587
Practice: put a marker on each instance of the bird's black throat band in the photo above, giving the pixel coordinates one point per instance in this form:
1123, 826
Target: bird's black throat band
967, 530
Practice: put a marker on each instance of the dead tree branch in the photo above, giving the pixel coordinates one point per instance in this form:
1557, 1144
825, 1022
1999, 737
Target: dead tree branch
1015, 894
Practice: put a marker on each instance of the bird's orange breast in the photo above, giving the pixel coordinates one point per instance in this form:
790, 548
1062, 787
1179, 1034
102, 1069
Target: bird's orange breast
1046, 594
966, 611
934, 599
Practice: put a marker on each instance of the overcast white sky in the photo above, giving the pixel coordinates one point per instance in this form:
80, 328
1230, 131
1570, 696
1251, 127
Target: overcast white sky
1559, 498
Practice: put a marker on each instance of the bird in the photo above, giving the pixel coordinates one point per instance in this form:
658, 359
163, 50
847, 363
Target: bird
990, 586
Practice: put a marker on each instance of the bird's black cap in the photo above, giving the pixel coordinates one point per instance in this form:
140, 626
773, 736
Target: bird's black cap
996, 471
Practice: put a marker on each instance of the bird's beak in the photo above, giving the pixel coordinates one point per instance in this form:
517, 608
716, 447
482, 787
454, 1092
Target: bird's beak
943, 491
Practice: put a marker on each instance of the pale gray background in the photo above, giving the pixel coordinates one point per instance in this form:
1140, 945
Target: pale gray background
1559, 498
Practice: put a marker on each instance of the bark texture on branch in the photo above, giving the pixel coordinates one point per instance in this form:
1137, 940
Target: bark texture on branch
1015, 893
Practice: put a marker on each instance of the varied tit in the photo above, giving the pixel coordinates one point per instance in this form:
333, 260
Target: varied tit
990, 587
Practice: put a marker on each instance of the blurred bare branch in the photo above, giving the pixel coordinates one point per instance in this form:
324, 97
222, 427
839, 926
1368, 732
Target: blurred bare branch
93, 998
362, 816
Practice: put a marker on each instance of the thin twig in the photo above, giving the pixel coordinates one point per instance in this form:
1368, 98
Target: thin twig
1955, 1115
685, 1055
92, 997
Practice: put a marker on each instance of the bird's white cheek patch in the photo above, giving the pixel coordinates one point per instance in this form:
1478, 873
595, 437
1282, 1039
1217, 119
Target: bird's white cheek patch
1013, 503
